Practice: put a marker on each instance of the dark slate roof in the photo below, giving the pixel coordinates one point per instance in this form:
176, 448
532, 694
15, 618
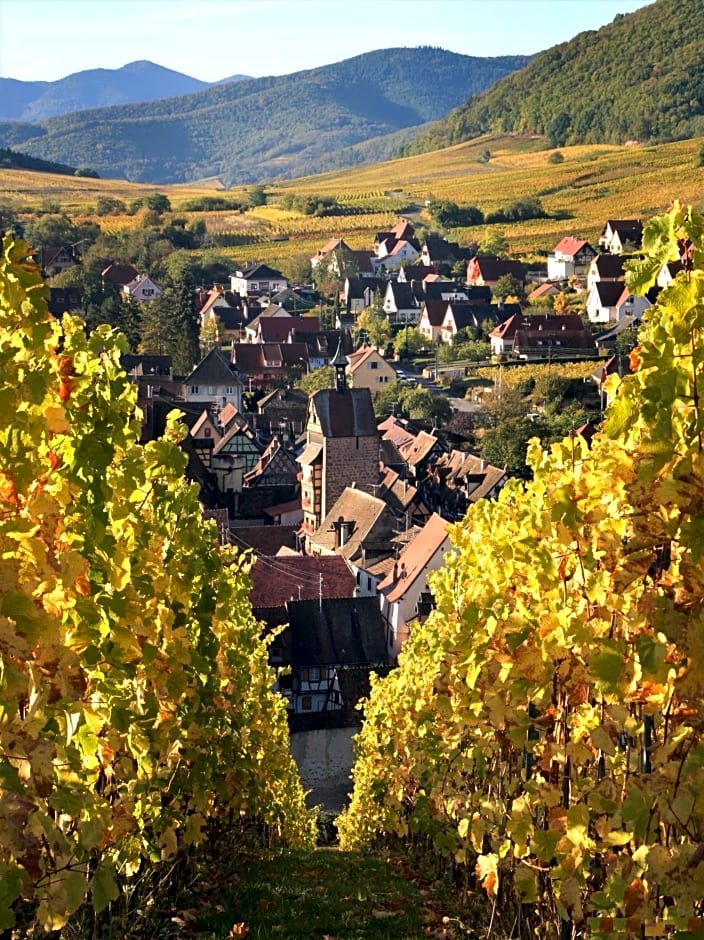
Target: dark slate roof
492, 268
345, 414
232, 318
120, 273
146, 364
364, 261
213, 369
475, 314
608, 265
336, 632
358, 287
439, 249
435, 311
477, 293
609, 292
403, 295
632, 229
368, 517
416, 272
248, 357
534, 323
259, 270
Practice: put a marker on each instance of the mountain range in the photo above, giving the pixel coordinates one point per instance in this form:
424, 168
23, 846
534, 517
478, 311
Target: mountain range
355, 111
639, 79
96, 88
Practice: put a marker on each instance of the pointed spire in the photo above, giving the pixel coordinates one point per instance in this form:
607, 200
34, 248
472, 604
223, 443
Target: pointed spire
340, 363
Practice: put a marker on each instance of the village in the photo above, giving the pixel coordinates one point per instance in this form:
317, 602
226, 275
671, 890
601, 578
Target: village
346, 514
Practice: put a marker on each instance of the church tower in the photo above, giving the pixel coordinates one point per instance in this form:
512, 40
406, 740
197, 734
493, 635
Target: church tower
342, 446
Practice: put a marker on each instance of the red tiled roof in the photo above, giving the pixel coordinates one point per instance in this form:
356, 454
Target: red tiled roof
278, 579
264, 539
415, 558
570, 245
545, 290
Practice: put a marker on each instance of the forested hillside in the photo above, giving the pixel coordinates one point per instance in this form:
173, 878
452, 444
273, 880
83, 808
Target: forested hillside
266, 128
11, 159
639, 78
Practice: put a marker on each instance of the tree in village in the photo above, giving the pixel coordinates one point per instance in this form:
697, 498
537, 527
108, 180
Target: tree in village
409, 342
158, 333
375, 326
136, 701
317, 379
330, 273
181, 292
494, 243
545, 726
506, 445
210, 335
508, 289
560, 304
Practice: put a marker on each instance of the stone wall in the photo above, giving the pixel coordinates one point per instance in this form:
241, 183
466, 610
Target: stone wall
324, 760
349, 460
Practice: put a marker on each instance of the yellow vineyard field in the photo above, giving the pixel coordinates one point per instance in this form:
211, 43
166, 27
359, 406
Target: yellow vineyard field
592, 184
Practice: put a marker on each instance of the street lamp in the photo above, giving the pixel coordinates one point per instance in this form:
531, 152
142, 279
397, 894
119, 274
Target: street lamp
306, 363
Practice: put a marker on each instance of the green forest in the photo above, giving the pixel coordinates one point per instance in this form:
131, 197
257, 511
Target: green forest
640, 78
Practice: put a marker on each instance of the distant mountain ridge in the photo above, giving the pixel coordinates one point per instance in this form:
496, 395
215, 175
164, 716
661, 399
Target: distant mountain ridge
350, 112
639, 78
95, 88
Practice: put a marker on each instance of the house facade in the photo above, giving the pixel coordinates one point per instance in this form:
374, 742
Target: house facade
332, 646
619, 235
571, 256
142, 288
486, 270
542, 336
213, 383
401, 590
257, 279
368, 369
612, 301
605, 267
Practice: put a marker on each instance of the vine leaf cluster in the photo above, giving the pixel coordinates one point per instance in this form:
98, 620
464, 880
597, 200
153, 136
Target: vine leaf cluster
544, 727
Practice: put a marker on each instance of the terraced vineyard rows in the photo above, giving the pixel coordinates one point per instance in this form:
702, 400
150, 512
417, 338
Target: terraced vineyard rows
593, 183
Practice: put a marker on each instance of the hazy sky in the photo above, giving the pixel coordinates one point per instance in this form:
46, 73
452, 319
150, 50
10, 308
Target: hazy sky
213, 39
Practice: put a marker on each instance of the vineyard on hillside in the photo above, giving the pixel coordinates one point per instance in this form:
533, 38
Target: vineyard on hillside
544, 731
137, 708
592, 183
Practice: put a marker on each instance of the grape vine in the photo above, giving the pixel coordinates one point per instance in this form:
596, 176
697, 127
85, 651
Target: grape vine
136, 700
544, 727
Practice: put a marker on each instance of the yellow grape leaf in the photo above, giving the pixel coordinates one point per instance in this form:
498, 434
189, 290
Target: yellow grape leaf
56, 419
49, 917
168, 843
487, 870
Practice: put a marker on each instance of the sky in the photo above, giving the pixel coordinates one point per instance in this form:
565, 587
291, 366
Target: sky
44, 40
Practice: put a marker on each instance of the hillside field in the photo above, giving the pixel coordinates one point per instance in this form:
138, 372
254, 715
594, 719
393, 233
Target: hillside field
592, 183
